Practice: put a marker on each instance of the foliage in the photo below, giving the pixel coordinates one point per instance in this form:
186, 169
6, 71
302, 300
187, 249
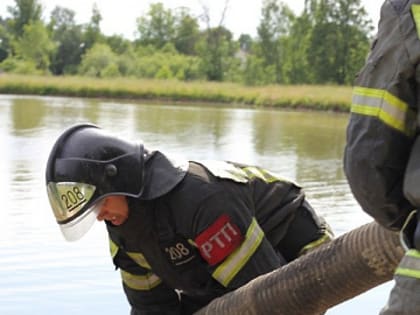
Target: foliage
92, 31
273, 29
216, 49
99, 61
342, 25
35, 46
19, 66
69, 38
255, 73
296, 66
4, 41
118, 44
24, 13
245, 42
187, 32
127, 62
168, 64
326, 43
157, 27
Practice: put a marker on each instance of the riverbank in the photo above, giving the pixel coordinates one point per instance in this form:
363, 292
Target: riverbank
311, 97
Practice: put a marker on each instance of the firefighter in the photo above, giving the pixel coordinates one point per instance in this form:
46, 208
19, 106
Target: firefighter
181, 233
382, 155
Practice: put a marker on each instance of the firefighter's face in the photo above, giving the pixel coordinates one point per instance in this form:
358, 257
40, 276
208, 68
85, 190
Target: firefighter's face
114, 209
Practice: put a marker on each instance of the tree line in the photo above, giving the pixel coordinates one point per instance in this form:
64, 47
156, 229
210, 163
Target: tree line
326, 43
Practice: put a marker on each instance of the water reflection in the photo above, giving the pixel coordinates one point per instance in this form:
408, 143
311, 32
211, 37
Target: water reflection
27, 115
44, 275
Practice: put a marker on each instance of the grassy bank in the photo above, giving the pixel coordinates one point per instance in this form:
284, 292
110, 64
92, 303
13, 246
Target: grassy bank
335, 98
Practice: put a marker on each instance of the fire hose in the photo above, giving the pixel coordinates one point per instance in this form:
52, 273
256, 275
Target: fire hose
337, 271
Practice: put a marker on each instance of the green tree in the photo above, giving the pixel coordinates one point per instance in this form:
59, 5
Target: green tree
216, 50
118, 44
167, 63
99, 61
126, 56
339, 40
187, 32
69, 38
157, 27
23, 13
126, 63
273, 29
245, 42
296, 65
14, 65
35, 45
92, 31
4, 40
255, 73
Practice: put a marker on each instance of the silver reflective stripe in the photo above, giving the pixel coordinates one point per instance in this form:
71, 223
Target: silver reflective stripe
383, 105
140, 282
226, 271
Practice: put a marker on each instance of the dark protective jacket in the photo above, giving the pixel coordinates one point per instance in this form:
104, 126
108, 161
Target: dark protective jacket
218, 228
382, 172
383, 125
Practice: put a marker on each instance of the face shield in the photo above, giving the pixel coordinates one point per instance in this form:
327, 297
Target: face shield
73, 207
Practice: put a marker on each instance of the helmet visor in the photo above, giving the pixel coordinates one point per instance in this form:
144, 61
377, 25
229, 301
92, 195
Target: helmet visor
75, 229
72, 206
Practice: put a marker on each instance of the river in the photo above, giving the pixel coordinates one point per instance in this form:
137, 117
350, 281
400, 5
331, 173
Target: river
42, 274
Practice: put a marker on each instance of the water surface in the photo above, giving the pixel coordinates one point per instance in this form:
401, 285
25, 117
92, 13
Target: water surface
42, 274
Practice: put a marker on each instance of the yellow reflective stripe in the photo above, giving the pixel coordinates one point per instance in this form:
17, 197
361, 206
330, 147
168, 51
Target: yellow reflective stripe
253, 171
192, 243
139, 259
408, 273
226, 271
323, 239
113, 248
415, 10
385, 106
410, 264
237, 174
137, 282
413, 253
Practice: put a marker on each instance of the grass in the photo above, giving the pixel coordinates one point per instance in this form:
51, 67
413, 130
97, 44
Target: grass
314, 97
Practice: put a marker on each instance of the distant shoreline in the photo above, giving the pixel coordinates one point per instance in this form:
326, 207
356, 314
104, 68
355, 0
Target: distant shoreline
299, 97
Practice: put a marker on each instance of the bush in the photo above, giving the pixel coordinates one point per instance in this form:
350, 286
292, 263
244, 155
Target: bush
99, 61
164, 65
17, 66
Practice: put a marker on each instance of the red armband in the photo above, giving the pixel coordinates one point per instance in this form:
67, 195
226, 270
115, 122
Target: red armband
219, 240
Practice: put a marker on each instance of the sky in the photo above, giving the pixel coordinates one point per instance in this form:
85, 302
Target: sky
119, 17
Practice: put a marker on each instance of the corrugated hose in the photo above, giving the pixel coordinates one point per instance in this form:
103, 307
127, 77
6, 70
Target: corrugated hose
337, 271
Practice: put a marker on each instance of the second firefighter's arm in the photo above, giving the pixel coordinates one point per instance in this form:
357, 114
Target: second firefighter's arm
383, 118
